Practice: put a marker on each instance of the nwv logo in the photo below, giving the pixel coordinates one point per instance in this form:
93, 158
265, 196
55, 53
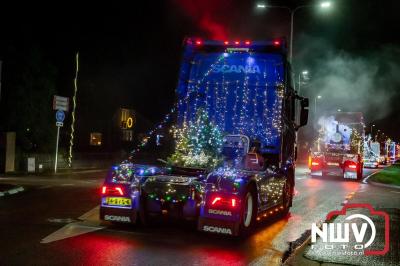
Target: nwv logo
236, 69
340, 232
360, 227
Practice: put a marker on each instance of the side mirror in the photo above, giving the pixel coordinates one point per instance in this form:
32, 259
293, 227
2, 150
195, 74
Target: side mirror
304, 103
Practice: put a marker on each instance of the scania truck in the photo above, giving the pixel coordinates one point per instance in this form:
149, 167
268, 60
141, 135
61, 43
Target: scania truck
246, 89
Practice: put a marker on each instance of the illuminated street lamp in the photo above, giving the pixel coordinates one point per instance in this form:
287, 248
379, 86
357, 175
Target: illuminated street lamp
303, 75
325, 4
315, 104
371, 128
322, 5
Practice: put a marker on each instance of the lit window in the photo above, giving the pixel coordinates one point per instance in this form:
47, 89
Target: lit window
127, 135
95, 139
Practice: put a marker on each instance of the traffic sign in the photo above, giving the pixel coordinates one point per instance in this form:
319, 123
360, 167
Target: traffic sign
60, 116
60, 103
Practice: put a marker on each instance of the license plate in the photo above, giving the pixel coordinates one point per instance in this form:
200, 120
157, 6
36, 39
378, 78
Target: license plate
333, 164
118, 201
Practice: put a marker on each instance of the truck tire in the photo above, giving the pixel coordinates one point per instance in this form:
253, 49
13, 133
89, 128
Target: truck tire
287, 197
249, 212
360, 172
143, 215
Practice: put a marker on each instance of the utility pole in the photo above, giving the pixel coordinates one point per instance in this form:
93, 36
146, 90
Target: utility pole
1, 63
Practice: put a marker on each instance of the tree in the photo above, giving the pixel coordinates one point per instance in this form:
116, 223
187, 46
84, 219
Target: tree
356, 142
198, 143
28, 87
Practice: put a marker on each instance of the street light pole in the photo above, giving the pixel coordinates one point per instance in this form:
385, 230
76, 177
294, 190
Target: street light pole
303, 74
291, 35
299, 90
315, 107
292, 13
315, 104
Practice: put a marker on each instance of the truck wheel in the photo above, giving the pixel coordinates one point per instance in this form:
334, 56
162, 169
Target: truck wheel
143, 216
360, 173
249, 212
287, 197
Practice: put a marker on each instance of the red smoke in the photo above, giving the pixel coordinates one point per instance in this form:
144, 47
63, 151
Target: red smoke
204, 12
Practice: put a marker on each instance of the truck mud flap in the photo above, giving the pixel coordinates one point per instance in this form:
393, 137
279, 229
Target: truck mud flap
218, 226
350, 175
117, 215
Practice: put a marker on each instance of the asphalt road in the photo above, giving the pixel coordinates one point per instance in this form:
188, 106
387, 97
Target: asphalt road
54, 222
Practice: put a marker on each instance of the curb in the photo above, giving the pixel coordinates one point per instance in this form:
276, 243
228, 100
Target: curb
365, 181
11, 191
383, 185
296, 249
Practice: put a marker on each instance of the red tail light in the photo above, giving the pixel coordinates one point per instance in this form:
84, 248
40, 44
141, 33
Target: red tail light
216, 199
199, 42
277, 43
226, 42
227, 202
247, 42
119, 190
237, 42
233, 202
112, 190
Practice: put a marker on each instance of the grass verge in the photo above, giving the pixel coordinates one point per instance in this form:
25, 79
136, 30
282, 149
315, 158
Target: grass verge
389, 175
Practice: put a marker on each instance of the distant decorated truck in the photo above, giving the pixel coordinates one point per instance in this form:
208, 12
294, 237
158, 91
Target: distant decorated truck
339, 147
235, 141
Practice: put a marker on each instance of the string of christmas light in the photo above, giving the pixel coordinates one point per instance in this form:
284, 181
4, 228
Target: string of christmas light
196, 88
149, 134
235, 107
71, 140
244, 113
225, 103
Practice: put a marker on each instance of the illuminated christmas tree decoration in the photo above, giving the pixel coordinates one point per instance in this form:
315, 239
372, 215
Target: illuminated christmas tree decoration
198, 143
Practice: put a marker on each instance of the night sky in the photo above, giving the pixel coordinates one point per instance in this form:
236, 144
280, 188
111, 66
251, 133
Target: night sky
130, 52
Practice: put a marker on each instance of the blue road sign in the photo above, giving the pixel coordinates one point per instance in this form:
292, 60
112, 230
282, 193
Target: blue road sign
60, 115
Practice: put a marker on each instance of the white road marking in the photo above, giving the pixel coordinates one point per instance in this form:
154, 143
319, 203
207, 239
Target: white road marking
395, 191
365, 180
70, 230
61, 221
92, 215
90, 223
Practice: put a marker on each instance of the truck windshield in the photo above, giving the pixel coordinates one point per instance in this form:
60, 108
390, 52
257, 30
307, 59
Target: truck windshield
241, 91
